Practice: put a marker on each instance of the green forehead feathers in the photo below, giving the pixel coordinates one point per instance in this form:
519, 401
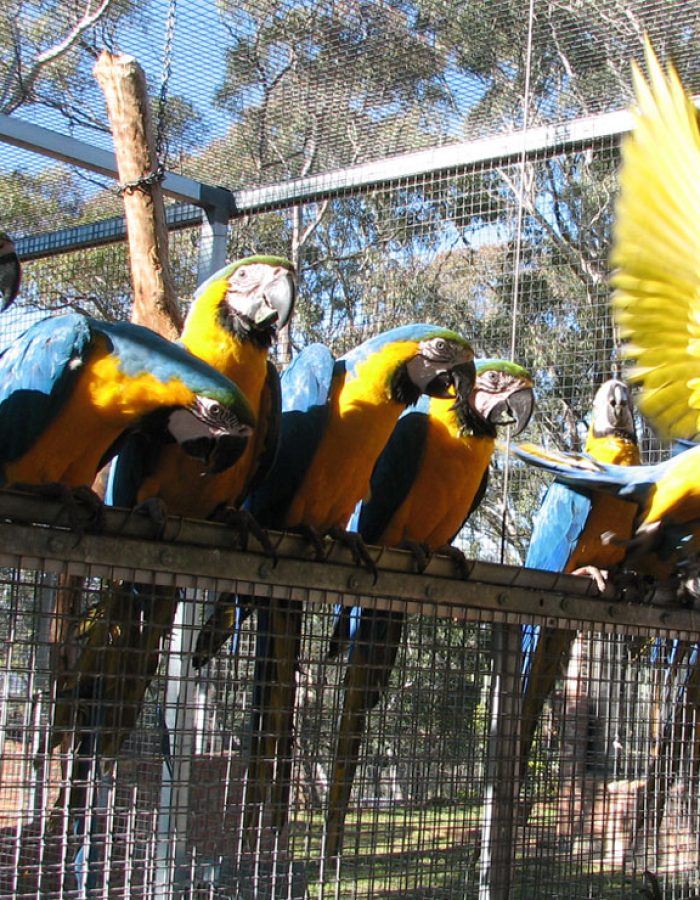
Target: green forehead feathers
250, 260
501, 365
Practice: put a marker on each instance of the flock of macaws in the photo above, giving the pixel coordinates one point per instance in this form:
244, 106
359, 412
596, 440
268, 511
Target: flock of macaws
388, 444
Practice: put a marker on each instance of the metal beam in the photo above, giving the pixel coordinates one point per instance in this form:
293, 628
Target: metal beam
20, 133
95, 234
200, 555
500, 149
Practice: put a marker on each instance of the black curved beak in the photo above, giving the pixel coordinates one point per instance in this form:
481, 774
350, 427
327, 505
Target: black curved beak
218, 453
456, 383
228, 449
515, 410
10, 276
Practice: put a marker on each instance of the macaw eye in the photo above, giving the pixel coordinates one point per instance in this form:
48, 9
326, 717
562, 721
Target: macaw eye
441, 345
215, 409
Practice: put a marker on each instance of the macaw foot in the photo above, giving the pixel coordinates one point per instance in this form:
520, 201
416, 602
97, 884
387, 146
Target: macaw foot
244, 524
360, 554
458, 558
599, 576
630, 586
421, 553
82, 507
157, 513
314, 538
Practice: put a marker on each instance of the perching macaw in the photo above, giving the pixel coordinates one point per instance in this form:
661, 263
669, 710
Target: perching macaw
666, 497
429, 478
337, 416
306, 385
72, 386
231, 325
567, 537
656, 246
10, 271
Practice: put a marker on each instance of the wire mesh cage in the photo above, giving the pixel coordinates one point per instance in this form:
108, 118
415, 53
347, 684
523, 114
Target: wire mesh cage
447, 162
129, 775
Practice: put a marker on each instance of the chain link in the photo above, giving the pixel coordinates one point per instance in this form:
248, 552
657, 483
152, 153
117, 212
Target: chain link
161, 150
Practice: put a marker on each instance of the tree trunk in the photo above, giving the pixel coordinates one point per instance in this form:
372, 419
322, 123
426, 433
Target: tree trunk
124, 85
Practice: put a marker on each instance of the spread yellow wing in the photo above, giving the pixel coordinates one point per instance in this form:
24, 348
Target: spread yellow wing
656, 251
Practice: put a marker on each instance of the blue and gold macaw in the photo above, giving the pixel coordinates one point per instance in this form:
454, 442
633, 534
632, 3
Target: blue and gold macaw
665, 496
231, 325
337, 416
10, 271
567, 537
72, 387
656, 243
428, 480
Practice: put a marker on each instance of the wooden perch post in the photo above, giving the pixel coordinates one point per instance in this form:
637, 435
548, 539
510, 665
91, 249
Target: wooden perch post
123, 83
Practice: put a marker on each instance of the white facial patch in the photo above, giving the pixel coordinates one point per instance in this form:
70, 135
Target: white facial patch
184, 426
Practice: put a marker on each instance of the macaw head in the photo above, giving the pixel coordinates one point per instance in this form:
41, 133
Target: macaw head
250, 298
503, 394
420, 359
443, 367
10, 271
214, 430
613, 411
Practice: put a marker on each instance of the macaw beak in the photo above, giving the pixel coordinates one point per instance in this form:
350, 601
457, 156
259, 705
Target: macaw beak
274, 305
445, 384
227, 450
454, 384
279, 296
515, 410
219, 453
10, 274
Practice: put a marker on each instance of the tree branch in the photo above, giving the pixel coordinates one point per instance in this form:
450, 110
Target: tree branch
25, 84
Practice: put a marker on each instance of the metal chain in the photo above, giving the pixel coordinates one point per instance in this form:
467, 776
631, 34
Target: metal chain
161, 147
161, 150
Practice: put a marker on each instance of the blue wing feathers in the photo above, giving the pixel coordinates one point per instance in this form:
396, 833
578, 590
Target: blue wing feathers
557, 527
141, 350
37, 374
306, 382
583, 471
305, 387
